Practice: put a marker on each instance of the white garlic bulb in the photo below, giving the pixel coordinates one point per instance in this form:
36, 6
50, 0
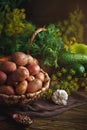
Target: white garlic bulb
60, 97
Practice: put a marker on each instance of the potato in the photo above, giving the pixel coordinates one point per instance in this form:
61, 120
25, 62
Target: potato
30, 78
20, 58
40, 76
3, 77
33, 69
20, 74
7, 66
8, 90
10, 81
34, 86
22, 87
31, 60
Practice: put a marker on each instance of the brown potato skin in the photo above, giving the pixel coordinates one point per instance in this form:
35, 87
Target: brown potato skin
20, 74
33, 69
30, 78
40, 76
8, 66
34, 86
8, 90
10, 81
21, 87
3, 77
20, 58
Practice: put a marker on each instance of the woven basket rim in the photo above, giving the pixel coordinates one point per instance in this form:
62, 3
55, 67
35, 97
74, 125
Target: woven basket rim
38, 30
28, 97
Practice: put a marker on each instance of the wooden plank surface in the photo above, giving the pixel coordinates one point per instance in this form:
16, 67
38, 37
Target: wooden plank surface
74, 119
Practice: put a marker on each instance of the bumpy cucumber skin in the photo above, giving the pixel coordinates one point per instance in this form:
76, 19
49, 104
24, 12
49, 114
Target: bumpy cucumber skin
70, 58
79, 69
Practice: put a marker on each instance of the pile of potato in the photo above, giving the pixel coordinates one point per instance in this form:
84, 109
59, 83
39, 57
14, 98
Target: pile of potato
20, 74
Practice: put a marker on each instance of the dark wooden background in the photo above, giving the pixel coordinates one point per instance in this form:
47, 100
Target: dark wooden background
43, 12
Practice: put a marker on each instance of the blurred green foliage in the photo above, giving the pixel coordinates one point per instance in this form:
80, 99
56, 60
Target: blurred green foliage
11, 3
15, 31
73, 28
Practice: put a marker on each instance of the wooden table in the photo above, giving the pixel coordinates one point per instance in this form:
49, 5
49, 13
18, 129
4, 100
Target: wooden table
74, 119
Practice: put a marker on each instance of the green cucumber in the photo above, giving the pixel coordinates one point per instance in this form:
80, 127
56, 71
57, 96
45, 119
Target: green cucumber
70, 58
79, 68
85, 65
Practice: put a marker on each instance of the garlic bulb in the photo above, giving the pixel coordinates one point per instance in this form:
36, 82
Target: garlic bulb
60, 97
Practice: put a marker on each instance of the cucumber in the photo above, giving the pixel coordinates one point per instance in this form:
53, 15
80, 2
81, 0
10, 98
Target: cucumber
70, 58
85, 65
79, 69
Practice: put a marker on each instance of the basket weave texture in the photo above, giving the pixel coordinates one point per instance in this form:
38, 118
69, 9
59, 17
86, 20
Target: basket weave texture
21, 100
27, 98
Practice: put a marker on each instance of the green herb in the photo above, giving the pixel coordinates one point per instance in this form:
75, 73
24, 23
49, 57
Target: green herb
73, 27
15, 31
47, 45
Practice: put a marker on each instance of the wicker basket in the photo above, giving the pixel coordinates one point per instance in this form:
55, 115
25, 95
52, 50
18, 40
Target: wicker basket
36, 32
27, 98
